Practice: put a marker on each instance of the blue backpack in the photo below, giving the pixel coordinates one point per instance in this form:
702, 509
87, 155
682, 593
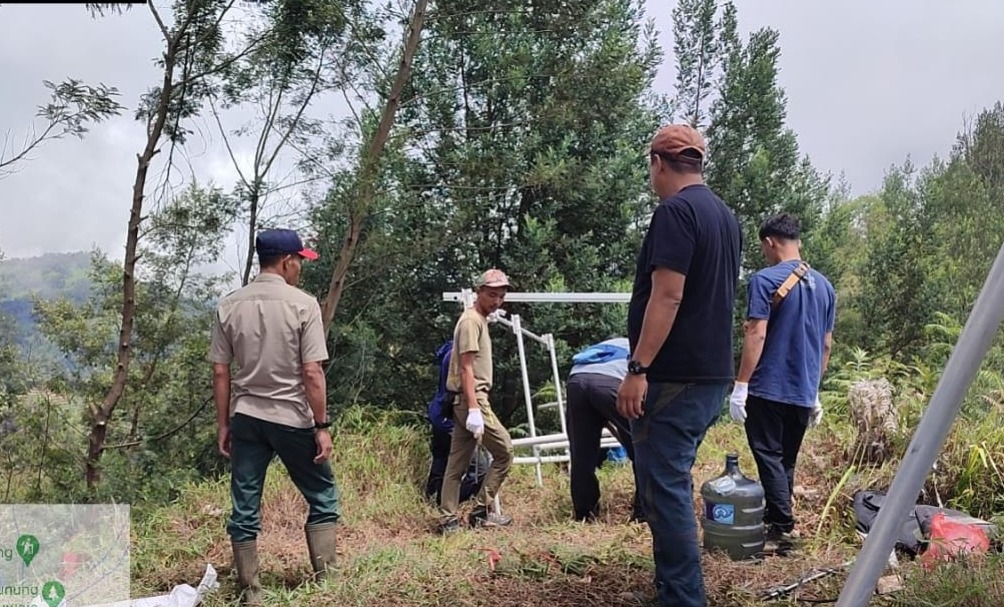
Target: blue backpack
440, 410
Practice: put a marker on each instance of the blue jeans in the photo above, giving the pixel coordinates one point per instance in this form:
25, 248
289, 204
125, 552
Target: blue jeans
666, 438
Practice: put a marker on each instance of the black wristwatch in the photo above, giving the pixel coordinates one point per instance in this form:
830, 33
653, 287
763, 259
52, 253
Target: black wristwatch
635, 368
322, 425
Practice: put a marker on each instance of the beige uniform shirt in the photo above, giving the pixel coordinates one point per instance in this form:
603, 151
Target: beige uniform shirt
471, 335
270, 330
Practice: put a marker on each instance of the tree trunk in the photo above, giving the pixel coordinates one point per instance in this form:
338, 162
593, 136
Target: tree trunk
101, 414
368, 173
252, 226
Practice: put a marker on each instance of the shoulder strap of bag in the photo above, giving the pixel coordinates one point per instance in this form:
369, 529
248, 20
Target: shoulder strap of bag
789, 283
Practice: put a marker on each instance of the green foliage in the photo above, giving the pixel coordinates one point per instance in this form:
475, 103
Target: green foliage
48, 275
968, 475
518, 145
37, 465
73, 107
754, 163
161, 433
969, 581
300, 52
699, 47
12, 371
754, 158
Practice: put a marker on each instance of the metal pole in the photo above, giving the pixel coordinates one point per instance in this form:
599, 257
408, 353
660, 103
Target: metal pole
499, 317
517, 329
467, 298
570, 298
963, 365
540, 459
549, 338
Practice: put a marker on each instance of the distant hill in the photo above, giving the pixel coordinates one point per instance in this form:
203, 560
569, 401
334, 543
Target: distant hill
48, 276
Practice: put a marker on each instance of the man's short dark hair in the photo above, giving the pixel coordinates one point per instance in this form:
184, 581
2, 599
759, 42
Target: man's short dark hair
783, 226
268, 261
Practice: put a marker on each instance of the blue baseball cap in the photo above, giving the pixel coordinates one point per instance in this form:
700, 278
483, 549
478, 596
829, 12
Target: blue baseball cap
281, 242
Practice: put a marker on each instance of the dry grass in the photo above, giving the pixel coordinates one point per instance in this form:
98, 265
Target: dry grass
390, 555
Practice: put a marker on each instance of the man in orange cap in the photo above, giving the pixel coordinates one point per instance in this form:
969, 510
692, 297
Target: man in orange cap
470, 379
680, 331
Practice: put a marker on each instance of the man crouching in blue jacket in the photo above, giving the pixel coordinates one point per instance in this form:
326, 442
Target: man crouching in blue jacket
592, 386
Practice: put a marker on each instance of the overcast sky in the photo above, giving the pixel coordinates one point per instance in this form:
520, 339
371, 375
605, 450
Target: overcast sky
868, 83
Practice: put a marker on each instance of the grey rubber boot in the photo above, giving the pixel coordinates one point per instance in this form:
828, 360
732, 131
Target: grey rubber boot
246, 565
321, 546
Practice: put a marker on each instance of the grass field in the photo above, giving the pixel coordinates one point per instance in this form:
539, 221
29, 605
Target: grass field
391, 556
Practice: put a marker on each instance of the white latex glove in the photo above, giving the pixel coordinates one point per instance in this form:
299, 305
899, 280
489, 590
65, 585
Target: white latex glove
737, 402
475, 422
817, 414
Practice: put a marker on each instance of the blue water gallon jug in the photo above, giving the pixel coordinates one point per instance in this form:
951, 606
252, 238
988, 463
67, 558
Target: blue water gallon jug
733, 513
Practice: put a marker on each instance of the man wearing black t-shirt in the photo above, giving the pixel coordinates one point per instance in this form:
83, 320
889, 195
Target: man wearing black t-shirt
680, 331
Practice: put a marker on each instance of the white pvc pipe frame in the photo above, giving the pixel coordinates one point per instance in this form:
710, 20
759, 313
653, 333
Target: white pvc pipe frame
550, 441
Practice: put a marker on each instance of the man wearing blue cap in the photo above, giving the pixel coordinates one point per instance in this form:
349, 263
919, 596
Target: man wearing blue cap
275, 403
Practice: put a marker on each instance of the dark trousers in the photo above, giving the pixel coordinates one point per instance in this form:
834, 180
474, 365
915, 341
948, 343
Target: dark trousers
775, 431
253, 443
592, 405
470, 484
666, 438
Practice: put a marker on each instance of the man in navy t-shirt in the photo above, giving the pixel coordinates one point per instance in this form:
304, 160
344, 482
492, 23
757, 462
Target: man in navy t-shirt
681, 366
786, 349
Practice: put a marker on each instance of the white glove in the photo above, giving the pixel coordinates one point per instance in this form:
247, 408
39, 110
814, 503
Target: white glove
475, 422
737, 402
817, 414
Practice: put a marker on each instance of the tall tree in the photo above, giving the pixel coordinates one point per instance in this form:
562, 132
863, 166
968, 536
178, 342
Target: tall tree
698, 44
755, 163
729, 87
893, 299
168, 380
517, 146
193, 56
309, 48
939, 232
364, 181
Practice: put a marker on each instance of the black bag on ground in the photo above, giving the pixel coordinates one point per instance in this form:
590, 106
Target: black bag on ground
916, 525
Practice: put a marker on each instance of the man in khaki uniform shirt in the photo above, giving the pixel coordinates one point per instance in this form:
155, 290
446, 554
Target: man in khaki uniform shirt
470, 376
275, 403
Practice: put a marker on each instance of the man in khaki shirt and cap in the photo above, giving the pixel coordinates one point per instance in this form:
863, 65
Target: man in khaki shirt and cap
470, 377
275, 403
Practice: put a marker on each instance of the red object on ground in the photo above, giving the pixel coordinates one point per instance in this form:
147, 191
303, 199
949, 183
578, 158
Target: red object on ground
950, 539
71, 562
493, 557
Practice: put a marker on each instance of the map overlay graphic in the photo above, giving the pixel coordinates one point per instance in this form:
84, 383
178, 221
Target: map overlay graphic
63, 555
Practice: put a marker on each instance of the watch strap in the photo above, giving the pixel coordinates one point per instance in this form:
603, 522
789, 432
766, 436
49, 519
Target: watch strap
635, 368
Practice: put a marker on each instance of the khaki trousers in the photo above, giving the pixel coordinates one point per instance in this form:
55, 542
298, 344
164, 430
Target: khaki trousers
462, 445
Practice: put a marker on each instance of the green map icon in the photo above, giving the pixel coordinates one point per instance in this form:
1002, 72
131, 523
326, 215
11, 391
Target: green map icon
27, 547
53, 593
